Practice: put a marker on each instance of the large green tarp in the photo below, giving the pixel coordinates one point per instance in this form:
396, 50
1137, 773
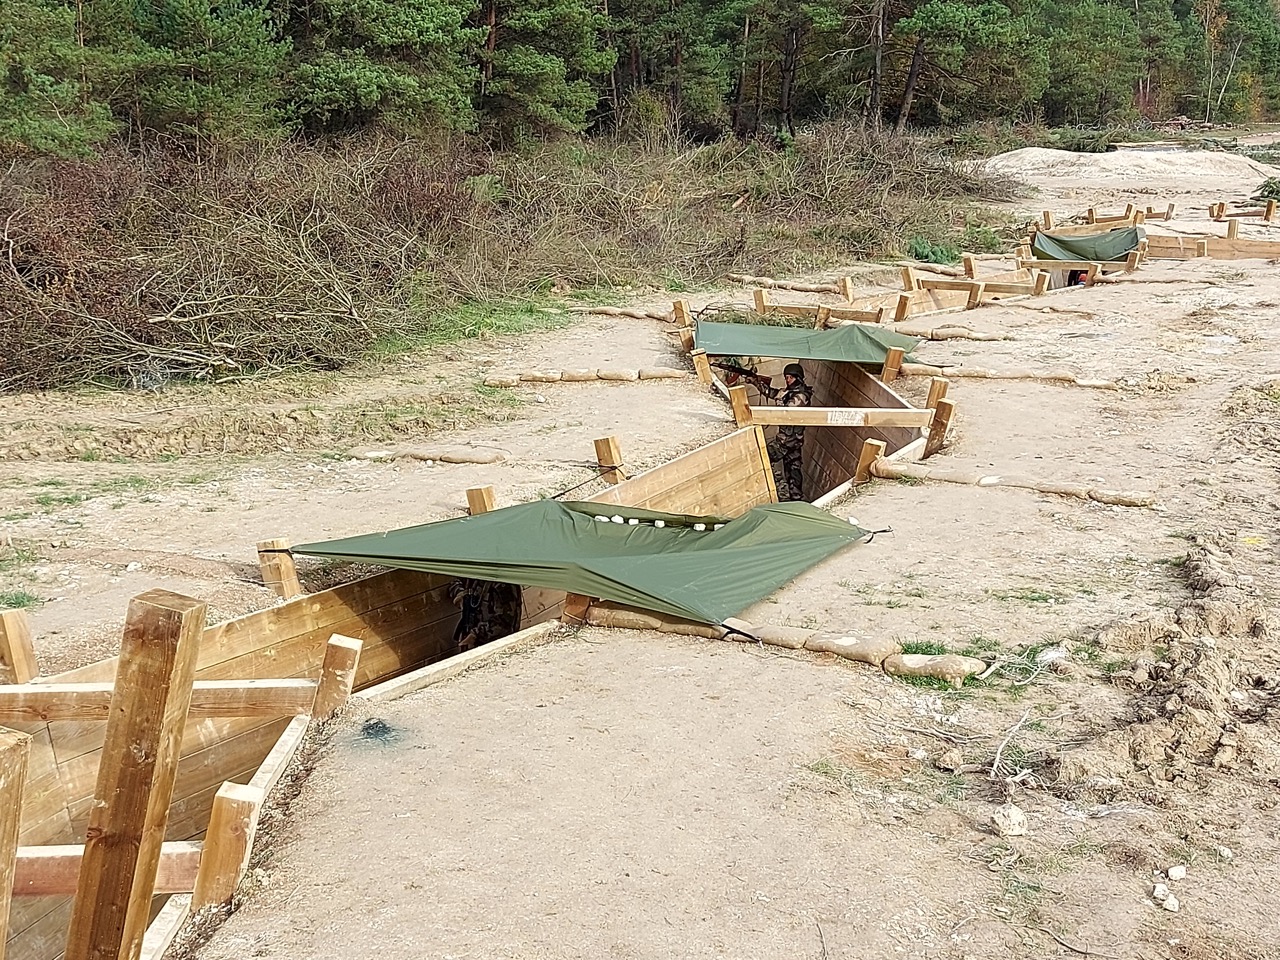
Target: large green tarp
1101, 247
857, 343
660, 562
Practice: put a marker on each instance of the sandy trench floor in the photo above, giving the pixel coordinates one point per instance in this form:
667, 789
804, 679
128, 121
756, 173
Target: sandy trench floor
809, 780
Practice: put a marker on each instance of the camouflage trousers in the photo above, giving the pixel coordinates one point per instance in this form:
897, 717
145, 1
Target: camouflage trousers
490, 610
786, 453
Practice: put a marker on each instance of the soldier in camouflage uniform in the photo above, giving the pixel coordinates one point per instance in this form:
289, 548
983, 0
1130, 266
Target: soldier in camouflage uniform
787, 448
489, 610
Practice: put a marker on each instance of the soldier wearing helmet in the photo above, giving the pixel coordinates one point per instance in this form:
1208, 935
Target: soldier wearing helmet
787, 448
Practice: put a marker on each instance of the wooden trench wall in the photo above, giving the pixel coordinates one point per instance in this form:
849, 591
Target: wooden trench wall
405, 621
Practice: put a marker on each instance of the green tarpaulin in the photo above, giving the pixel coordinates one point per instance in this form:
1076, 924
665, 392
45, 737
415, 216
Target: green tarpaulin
1112, 245
661, 562
857, 343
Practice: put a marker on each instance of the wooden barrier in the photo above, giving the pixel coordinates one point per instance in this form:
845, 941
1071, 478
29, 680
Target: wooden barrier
17, 657
278, 570
25, 703
1216, 248
872, 312
54, 870
837, 416
15, 751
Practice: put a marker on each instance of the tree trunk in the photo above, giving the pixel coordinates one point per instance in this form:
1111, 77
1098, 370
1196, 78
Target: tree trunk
740, 98
913, 77
877, 67
755, 120
490, 44
787, 76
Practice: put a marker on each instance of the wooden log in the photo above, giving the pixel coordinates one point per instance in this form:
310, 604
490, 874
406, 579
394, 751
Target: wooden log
17, 653
835, 286
15, 752
337, 676
872, 450
609, 458
948, 332
741, 403
1024, 373
136, 776
47, 702
53, 871
892, 470
893, 360
702, 366
937, 390
840, 416
480, 500
233, 822
278, 569
939, 425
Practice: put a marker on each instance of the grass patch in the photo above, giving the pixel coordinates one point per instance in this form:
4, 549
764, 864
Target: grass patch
929, 648
840, 773
51, 500
15, 517
470, 321
1027, 595
17, 599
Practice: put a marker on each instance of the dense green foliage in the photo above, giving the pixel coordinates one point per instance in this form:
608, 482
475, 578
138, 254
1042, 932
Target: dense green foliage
77, 72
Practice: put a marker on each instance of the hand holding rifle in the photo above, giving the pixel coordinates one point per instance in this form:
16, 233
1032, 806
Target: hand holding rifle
735, 373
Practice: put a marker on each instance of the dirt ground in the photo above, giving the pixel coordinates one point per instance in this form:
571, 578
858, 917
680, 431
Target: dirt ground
593, 797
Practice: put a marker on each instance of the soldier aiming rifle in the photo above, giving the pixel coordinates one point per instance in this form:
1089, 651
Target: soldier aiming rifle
787, 448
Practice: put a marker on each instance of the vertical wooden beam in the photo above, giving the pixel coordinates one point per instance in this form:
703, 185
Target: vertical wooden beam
337, 675
970, 263
892, 365
1128, 210
1169, 211
1202, 248
1269, 213
1023, 252
1042, 280
17, 653
1233, 229
1091, 275
872, 450
846, 288
480, 500
1132, 261
233, 822
975, 294
1139, 217
761, 298
937, 390
609, 457
683, 316
741, 403
136, 772
1091, 215
575, 608
909, 280
1216, 210
15, 749
1046, 218
942, 415
821, 318
686, 339
278, 569
902, 309
702, 366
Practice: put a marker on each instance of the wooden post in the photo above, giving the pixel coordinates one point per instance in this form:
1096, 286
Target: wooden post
909, 281
278, 569
1091, 215
1042, 280
680, 310
1023, 252
686, 339
942, 414
136, 773
846, 288
15, 749
702, 366
761, 298
872, 450
337, 675
233, 821
1046, 218
1269, 213
1139, 217
1216, 210
902, 309
892, 365
609, 457
821, 318
741, 403
1168, 214
1132, 261
970, 263
975, 295
480, 500
1091, 275
17, 654
1233, 229
937, 390
1128, 210
575, 608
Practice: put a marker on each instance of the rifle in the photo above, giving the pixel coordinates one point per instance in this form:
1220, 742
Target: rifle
744, 373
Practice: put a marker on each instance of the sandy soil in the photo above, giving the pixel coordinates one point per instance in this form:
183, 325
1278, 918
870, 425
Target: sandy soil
805, 812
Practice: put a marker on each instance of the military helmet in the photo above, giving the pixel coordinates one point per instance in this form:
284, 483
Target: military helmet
793, 370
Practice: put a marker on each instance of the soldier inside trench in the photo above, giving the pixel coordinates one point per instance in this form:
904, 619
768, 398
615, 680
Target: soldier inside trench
490, 610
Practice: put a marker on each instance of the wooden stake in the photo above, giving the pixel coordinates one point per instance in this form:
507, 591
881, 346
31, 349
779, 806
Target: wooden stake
227, 844
1091, 215
846, 288
15, 749
686, 339
1047, 219
1269, 214
680, 310
937, 390
609, 457
702, 366
1132, 261
892, 365
970, 263
902, 309
821, 318
938, 428
1139, 217
909, 282
278, 569
1128, 210
872, 450
741, 403
575, 608
1023, 252
1202, 248
761, 297
337, 675
17, 654
975, 295
1233, 229
480, 500
1042, 280
1168, 214
136, 773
